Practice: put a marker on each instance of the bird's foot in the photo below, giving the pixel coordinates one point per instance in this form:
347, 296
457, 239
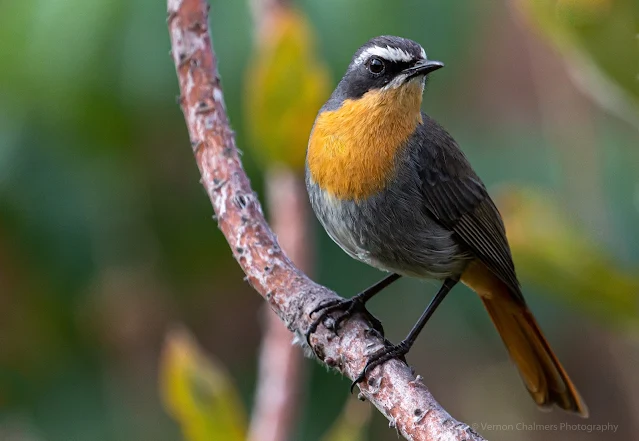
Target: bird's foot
347, 308
381, 357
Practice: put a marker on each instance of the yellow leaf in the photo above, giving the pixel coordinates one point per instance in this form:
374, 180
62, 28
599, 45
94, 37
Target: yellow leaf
285, 87
198, 393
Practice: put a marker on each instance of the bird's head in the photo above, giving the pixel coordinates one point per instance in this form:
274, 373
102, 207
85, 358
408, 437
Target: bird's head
387, 64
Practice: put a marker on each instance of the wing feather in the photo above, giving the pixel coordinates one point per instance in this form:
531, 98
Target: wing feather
458, 199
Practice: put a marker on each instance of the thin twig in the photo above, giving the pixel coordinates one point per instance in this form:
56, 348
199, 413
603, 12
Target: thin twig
280, 362
275, 410
392, 388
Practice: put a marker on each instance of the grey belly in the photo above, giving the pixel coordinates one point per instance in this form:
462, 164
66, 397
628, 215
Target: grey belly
392, 232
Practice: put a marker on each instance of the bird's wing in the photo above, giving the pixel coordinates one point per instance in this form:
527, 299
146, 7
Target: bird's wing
458, 199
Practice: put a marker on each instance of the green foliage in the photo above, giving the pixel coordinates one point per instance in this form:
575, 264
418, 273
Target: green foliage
559, 257
600, 39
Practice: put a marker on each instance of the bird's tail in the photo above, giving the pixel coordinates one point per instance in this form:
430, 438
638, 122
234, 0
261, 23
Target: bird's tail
543, 375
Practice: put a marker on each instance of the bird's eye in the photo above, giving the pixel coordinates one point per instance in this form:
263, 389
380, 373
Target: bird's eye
376, 65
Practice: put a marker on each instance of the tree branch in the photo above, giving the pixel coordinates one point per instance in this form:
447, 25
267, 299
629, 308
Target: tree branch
392, 388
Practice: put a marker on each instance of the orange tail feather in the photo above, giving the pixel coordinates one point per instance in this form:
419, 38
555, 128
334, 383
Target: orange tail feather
543, 375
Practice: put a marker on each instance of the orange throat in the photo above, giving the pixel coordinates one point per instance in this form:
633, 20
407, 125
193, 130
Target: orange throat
352, 150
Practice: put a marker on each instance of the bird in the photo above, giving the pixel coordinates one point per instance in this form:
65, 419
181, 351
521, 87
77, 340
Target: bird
394, 190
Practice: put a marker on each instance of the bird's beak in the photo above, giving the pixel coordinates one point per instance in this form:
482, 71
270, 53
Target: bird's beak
422, 68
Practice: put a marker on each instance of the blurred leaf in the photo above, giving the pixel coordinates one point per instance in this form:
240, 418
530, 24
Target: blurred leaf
555, 255
198, 393
52, 51
600, 40
351, 424
286, 86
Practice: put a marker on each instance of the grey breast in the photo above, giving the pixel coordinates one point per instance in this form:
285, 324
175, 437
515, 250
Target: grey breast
392, 230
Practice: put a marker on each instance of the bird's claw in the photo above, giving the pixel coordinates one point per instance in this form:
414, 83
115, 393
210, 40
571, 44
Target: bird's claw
348, 307
380, 357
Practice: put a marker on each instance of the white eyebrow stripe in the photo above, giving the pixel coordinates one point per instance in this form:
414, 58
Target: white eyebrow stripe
387, 53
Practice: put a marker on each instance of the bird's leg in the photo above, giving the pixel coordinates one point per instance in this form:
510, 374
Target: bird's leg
349, 306
400, 350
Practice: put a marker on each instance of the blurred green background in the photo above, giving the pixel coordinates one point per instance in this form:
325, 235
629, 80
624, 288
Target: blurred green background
106, 237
